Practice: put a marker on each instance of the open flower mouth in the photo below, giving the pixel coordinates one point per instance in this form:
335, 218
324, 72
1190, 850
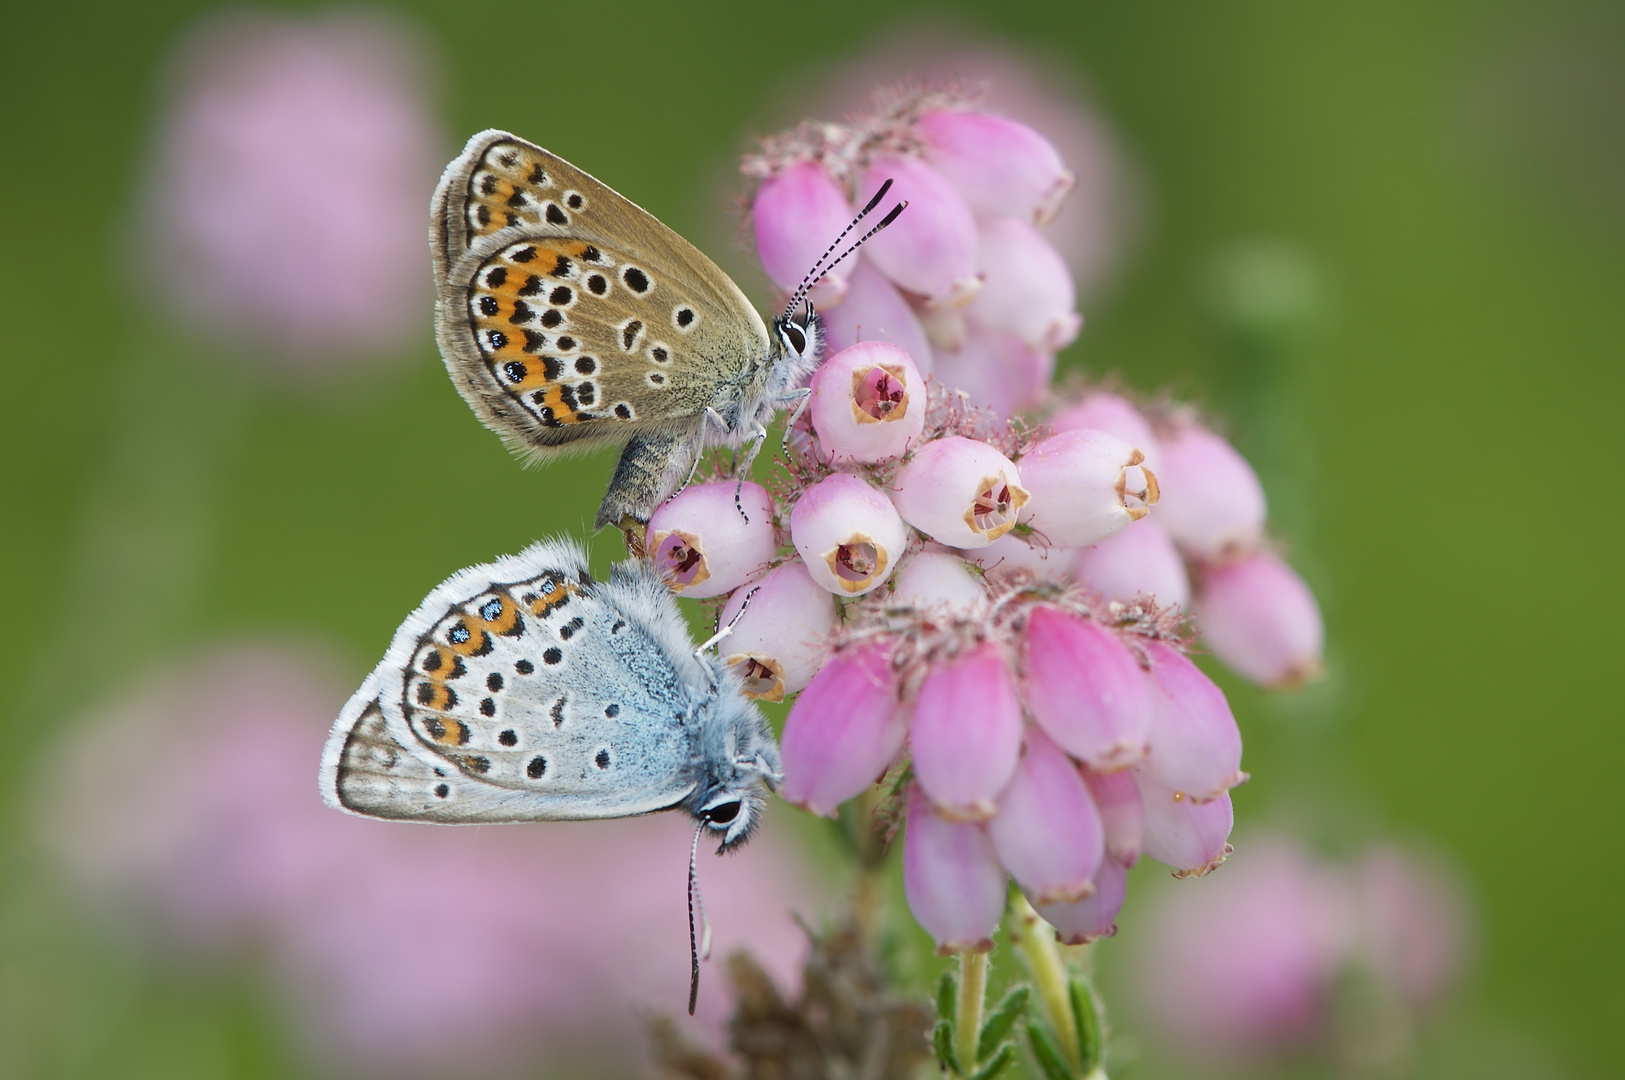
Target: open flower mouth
679, 558
1137, 487
761, 677
994, 508
879, 394
856, 561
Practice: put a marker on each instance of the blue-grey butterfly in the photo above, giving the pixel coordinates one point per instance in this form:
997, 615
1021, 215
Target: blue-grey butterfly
569, 317
524, 690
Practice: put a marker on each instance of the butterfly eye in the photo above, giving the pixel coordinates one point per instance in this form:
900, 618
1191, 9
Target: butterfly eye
793, 337
721, 815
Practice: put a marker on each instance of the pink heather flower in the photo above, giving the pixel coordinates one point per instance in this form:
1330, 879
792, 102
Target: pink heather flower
994, 370
1086, 689
1195, 744
285, 206
940, 580
843, 730
960, 492
187, 816
998, 165
1178, 831
951, 878
966, 732
1010, 554
868, 403
1121, 813
1085, 486
1047, 833
1413, 923
1026, 288
848, 534
1216, 503
1261, 620
931, 249
874, 310
1140, 560
795, 215
1115, 415
781, 639
701, 543
1095, 916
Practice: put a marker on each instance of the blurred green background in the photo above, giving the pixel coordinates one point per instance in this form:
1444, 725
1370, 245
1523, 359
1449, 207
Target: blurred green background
1455, 172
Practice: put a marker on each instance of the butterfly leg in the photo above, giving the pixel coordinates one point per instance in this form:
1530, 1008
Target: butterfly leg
752, 446
802, 397
649, 469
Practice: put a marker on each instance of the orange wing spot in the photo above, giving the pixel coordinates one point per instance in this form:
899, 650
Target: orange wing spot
468, 641
437, 696
445, 730
507, 616
545, 603
553, 398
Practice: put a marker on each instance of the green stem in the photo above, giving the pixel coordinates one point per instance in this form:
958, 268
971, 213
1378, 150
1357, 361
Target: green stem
968, 1018
1035, 941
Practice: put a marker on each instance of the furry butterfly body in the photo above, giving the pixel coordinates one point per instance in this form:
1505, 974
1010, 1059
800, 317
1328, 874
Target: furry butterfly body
571, 318
523, 690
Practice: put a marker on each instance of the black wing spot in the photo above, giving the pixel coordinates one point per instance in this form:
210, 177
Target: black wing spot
586, 365
535, 340
601, 759
532, 286
598, 284
493, 681
521, 313
497, 339
508, 158
442, 790
566, 343
561, 295
479, 764
562, 267
574, 200
524, 667
538, 176
557, 713
629, 334
635, 279
489, 305
459, 634
685, 316
509, 737
568, 630
591, 255
552, 656
618, 627
536, 768
586, 393
482, 214
488, 707
656, 379
557, 216
624, 411
516, 371
488, 185
660, 355
517, 200
496, 277
523, 255
432, 662
612, 711
425, 693
552, 317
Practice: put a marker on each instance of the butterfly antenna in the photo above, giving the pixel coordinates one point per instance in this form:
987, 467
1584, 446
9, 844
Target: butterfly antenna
724, 631
696, 947
821, 267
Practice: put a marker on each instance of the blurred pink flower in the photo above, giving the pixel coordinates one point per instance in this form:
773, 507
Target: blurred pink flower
187, 809
289, 185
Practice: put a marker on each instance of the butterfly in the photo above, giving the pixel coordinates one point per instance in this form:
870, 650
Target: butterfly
570, 318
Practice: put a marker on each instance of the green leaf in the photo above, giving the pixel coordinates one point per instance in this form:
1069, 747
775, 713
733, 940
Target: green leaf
1048, 1055
942, 1040
996, 1064
947, 995
1000, 1021
1086, 1012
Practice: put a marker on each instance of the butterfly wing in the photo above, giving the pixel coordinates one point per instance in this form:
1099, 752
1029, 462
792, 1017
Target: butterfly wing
517, 692
568, 315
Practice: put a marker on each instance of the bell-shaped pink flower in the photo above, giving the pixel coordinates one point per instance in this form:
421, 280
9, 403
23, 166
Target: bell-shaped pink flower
931, 248
1414, 923
1121, 814
1191, 837
1115, 415
1048, 833
874, 310
1011, 553
1085, 486
848, 534
779, 642
843, 731
960, 492
1000, 166
701, 543
1026, 288
1261, 620
868, 403
1086, 689
994, 370
1195, 743
1214, 502
951, 878
1095, 916
795, 215
1140, 560
941, 580
966, 732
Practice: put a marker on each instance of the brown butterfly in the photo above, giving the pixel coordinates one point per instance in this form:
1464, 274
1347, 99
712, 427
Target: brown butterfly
570, 318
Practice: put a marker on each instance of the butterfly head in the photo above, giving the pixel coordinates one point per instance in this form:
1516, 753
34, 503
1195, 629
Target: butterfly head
740, 765
798, 344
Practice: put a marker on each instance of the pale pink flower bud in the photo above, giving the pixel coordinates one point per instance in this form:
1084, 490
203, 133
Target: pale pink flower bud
1179, 832
703, 546
1047, 832
874, 310
1095, 916
1121, 814
1414, 923
843, 731
1026, 288
1011, 553
959, 492
1115, 415
847, 533
966, 732
795, 215
779, 642
1195, 744
931, 248
868, 403
1261, 620
1215, 501
1085, 688
999, 165
1085, 486
1139, 560
994, 370
941, 580
951, 878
